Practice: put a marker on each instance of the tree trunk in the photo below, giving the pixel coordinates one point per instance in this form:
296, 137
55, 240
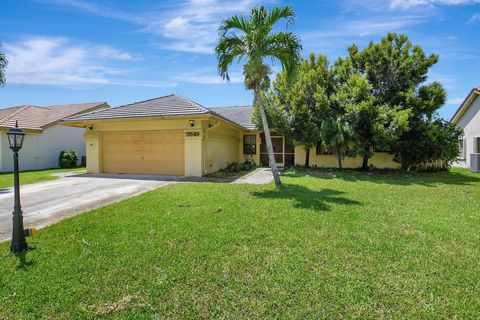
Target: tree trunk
307, 157
365, 163
339, 157
271, 158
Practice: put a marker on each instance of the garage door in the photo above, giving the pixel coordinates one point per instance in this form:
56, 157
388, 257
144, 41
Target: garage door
160, 152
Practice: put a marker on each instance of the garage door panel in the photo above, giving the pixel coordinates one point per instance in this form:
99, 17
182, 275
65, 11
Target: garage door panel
160, 152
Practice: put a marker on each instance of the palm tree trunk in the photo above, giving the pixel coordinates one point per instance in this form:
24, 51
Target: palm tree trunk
273, 165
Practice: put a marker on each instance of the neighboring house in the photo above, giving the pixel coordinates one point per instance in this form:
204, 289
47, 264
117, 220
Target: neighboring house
467, 117
44, 137
175, 136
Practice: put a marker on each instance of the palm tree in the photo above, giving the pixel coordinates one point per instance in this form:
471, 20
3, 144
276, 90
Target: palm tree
3, 65
254, 42
337, 134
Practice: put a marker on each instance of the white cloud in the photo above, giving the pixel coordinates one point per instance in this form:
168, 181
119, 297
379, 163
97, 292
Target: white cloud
64, 62
189, 26
376, 25
474, 18
61, 61
193, 26
109, 53
207, 76
94, 8
406, 4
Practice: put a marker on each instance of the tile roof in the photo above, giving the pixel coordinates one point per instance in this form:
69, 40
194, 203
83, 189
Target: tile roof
170, 105
240, 115
35, 117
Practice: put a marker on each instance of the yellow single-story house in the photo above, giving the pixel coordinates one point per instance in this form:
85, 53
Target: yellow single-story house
173, 135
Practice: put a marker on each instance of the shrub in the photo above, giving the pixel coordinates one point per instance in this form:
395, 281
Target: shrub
249, 165
68, 159
233, 167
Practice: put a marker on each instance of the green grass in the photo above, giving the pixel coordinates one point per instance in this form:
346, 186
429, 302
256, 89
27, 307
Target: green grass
357, 245
27, 177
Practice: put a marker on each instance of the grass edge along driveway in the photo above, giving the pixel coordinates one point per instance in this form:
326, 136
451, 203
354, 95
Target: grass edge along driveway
33, 176
342, 245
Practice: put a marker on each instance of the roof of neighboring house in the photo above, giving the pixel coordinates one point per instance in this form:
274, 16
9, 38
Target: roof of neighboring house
465, 104
37, 118
170, 105
240, 115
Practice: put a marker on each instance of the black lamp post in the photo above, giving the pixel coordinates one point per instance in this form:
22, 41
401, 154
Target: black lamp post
15, 139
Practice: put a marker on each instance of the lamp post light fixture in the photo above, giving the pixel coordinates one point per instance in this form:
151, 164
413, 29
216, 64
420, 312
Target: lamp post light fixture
15, 139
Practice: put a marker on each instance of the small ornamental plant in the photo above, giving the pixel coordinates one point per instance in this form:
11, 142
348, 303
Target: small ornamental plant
68, 159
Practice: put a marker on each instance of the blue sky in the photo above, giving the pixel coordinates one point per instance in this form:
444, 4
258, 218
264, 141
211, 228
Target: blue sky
69, 51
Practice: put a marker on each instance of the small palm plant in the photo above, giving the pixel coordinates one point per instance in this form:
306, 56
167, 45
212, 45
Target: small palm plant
337, 134
255, 42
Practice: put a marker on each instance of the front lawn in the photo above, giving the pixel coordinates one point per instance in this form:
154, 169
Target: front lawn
27, 177
348, 245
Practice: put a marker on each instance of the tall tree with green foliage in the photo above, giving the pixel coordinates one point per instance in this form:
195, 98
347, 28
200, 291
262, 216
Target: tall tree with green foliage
397, 71
253, 39
3, 66
375, 127
296, 109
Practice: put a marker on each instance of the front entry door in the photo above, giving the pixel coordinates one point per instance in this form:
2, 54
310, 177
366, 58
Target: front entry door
283, 151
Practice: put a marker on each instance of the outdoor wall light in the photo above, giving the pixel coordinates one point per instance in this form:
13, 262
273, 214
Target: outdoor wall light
90, 127
192, 123
15, 139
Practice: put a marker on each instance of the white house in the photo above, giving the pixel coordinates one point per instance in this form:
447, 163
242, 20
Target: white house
44, 136
467, 117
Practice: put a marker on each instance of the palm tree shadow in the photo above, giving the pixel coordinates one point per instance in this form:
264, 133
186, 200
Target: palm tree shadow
23, 262
306, 198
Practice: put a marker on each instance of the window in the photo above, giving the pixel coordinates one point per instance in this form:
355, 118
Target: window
476, 142
249, 144
462, 148
322, 151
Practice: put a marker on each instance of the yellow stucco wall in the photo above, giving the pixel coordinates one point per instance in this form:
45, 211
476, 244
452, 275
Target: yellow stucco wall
379, 160
194, 155
222, 147
93, 144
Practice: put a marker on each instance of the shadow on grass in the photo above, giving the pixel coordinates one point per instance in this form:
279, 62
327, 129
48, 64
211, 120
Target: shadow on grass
306, 198
23, 262
394, 177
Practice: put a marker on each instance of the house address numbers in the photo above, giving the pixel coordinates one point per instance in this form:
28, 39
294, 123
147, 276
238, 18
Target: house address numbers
192, 133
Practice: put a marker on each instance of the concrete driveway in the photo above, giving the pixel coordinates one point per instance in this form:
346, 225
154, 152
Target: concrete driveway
48, 202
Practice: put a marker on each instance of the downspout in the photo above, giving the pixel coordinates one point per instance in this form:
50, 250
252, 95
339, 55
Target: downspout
204, 143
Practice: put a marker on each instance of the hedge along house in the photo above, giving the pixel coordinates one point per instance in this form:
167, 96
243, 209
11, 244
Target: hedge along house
44, 136
172, 135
